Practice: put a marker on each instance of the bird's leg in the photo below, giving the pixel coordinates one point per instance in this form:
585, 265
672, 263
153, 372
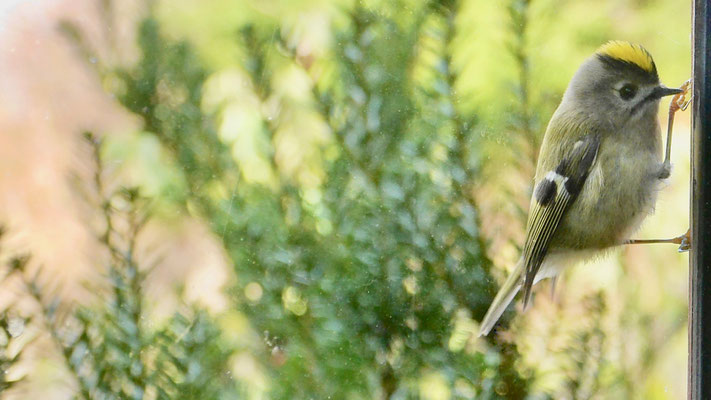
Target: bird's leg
678, 102
684, 241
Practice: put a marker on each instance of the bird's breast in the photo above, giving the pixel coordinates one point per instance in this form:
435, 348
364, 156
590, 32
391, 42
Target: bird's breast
618, 194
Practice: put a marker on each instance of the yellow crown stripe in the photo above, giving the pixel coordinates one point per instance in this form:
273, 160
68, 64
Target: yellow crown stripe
628, 52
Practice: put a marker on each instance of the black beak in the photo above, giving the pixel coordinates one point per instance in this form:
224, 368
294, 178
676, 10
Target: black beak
661, 91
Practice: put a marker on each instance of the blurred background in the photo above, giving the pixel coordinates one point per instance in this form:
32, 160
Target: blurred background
229, 199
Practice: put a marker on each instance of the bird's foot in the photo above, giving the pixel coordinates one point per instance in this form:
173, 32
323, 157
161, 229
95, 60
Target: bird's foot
664, 171
684, 241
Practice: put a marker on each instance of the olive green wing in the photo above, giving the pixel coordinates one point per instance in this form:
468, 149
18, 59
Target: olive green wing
552, 197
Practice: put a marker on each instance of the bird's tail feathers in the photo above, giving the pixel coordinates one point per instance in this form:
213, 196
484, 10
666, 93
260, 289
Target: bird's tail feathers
502, 299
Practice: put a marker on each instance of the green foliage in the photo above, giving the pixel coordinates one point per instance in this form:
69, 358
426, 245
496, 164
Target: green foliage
108, 347
356, 284
169, 98
586, 351
523, 114
12, 344
9, 357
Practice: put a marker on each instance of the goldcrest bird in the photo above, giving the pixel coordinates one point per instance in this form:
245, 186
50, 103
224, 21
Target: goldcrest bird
598, 171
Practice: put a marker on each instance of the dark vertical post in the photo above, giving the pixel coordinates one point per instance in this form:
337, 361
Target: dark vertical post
700, 260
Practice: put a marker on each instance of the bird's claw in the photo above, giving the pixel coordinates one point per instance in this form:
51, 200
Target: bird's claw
680, 101
685, 242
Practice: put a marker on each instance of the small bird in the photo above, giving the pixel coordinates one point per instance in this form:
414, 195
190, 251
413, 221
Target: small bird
599, 169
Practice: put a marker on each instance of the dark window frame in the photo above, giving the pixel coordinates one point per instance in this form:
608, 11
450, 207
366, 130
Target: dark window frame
700, 258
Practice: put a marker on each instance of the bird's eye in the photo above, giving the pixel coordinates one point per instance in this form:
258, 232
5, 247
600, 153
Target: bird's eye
628, 91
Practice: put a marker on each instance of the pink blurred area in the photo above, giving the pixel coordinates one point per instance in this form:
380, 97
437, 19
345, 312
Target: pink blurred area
49, 94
